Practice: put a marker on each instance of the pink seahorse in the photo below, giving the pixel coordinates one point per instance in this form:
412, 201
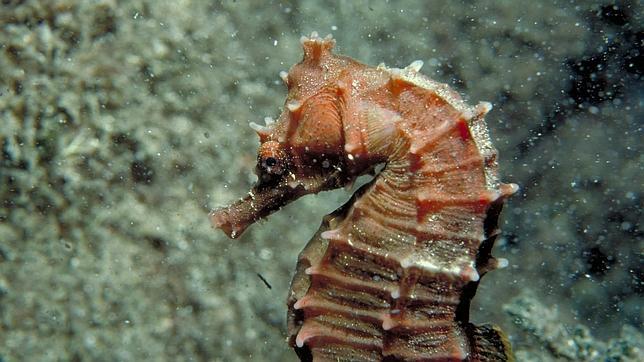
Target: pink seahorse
390, 275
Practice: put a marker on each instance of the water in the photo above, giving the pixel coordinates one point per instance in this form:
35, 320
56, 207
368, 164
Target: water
123, 124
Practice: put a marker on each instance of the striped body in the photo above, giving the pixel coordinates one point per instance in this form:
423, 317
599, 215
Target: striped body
390, 275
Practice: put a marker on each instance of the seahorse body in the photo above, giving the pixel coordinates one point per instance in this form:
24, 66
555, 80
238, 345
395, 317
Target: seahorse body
390, 275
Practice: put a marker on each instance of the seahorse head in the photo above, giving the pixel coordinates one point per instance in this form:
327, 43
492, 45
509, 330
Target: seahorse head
286, 170
303, 151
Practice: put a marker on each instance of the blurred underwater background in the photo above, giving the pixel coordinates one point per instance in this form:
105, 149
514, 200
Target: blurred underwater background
123, 123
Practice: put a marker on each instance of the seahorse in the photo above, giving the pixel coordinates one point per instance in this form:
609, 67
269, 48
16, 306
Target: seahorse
389, 275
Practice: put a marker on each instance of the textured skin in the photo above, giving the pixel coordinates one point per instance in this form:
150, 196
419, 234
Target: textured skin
390, 275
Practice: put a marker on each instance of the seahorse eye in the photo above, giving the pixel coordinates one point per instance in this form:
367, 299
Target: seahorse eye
271, 165
270, 161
